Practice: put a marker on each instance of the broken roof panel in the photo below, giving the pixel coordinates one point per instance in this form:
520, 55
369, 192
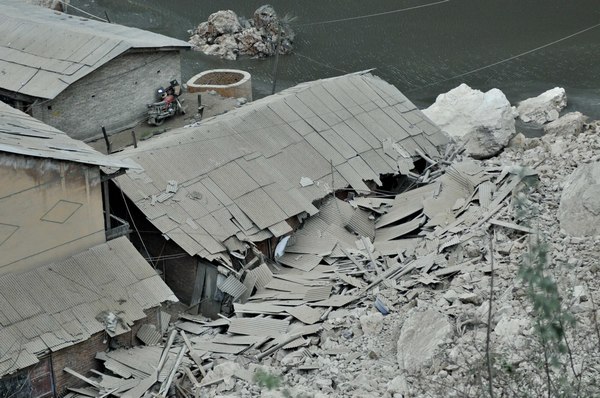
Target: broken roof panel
252, 159
44, 51
76, 298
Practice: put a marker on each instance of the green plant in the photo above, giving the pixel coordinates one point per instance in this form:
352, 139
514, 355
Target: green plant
267, 380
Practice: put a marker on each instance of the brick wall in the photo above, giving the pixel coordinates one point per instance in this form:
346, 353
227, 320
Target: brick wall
179, 273
81, 357
115, 95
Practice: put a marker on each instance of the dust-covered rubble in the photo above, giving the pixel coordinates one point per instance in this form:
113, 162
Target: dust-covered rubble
399, 295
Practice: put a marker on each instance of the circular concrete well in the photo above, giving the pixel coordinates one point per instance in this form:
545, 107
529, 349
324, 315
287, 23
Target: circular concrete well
226, 82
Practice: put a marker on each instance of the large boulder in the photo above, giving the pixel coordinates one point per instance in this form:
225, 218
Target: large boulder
227, 36
422, 333
544, 108
484, 120
569, 124
265, 16
579, 210
223, 22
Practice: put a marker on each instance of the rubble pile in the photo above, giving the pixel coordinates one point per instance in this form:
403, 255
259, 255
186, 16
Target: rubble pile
226, 35
389, 295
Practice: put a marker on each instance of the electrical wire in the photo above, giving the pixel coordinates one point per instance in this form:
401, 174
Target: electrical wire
373, 15
131, 218
507, 59
318, 62
82, 11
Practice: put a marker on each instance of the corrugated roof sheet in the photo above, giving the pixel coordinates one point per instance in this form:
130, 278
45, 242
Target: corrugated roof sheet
76, 295
23, 135
42, 52
258, 326
251, 160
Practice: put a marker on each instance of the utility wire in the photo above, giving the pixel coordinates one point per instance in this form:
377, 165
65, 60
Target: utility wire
318, 62
82, 11
373, 15
507, 59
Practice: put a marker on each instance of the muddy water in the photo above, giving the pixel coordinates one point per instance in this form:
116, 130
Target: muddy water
423, 51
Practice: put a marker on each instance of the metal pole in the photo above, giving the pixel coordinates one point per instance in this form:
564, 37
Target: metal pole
276, 57
106, 140
106, 205
134, 138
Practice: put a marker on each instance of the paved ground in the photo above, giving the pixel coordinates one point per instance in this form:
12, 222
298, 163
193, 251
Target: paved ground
214, 104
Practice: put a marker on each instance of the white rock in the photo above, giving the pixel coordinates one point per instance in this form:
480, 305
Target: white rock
485, 120
420, 337
543, 108
451, 296
397, 385
371, 323
509, 327
579, 210
580, 293
222, 22
569, 124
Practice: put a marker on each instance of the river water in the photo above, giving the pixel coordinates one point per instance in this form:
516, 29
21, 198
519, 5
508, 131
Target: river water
422, 51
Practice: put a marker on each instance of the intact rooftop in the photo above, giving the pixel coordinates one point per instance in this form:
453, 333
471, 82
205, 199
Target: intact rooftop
23, 135
238, 177
61, 304
42, 52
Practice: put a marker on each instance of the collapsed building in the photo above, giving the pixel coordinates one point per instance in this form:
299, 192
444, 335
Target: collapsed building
71, 284
211, 195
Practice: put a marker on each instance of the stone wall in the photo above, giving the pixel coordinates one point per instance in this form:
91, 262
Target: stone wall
115, 95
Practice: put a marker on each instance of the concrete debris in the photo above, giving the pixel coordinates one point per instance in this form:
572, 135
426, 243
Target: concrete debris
227, 36
544, 108
421, 336
313, 319
579, 211
484, 121
570, 124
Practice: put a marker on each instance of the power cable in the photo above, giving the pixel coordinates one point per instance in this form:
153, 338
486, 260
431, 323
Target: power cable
506, 59
131, 218
82, 11
373, 15
318, 62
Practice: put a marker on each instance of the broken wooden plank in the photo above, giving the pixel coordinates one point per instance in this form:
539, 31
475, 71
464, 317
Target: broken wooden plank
511, 225
82, 377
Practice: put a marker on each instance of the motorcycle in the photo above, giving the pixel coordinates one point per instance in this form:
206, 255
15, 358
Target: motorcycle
169, 104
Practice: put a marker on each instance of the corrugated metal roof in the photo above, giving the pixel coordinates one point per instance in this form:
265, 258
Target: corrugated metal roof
23, 135
258, 326
263, 275
77, 298
251, 160
42, 52
232, 286
305, 314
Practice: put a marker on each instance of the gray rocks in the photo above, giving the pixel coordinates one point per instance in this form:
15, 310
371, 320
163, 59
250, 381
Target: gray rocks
570, 124
421, 336
371, 323
225, 35
579, 210
543, 108
484, 120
